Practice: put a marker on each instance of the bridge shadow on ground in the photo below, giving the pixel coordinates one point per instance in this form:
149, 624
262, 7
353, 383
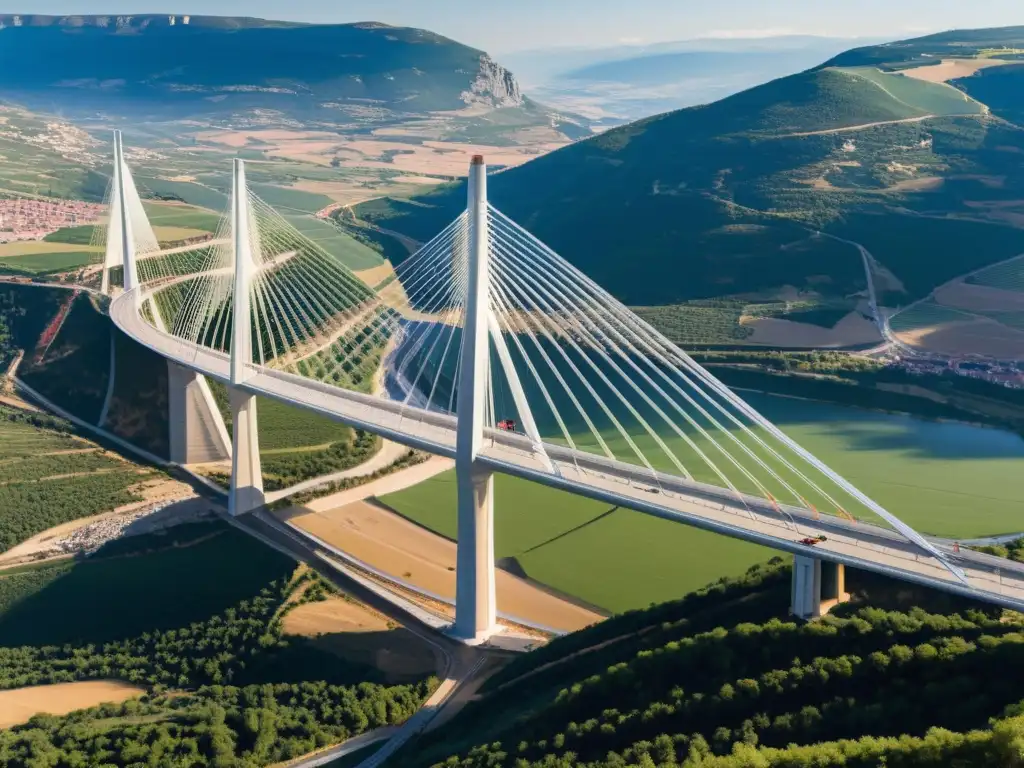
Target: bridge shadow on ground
133, 585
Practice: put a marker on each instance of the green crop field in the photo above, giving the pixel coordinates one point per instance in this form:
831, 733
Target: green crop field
931, 98
183, 216
942, 478
345, 248
285, 198
1008, 276
613, 558
81, 235
193, 194
927, 314
47, 263
36, 492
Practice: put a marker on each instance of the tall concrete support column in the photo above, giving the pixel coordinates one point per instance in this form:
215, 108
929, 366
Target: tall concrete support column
475, 603
818, 586
246, 492
197, 431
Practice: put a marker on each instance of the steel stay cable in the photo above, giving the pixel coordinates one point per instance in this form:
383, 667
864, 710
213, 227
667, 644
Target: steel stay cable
904, 529
556, 279
583, 379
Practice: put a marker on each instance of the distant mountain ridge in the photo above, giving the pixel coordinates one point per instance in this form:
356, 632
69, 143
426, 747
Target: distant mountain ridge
162, 64
725, 199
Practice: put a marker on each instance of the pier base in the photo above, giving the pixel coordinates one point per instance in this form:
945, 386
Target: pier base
818, 587
246, 492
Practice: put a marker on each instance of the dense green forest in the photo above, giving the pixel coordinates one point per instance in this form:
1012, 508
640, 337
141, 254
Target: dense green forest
224, 686
719, 679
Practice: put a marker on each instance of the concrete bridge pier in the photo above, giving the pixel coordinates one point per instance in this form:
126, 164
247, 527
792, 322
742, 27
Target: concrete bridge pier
475, 604
818, 586
246, 492
197, 431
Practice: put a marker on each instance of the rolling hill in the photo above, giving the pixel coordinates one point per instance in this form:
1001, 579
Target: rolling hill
177, 66
718, 680
726, 199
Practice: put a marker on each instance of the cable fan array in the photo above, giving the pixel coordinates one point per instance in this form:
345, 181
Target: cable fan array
601, 380
566, 358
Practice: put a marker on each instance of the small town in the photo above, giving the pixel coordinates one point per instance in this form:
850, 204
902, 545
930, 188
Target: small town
22, 219
1007, 373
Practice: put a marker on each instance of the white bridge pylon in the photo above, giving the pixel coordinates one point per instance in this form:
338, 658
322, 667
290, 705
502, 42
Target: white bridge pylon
128, 232
488, 348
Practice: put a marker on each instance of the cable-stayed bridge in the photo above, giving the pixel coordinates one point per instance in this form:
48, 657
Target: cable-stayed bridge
489, 348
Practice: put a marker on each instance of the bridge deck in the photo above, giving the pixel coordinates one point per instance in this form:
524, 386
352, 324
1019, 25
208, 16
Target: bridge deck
860, 545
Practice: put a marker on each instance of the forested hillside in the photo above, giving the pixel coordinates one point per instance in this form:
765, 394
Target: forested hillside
725, 199
721, 678
194, 618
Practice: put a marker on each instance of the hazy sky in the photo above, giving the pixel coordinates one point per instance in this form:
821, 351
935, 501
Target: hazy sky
508, 25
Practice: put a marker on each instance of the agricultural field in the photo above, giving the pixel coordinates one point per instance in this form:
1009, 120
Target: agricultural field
48, 263
296, 444
193, 194
172, 216
930, 97
49, 477
943, 478
285, 199
41, 257
342, 246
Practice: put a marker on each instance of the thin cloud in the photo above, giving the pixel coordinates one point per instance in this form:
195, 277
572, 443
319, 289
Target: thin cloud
752, 33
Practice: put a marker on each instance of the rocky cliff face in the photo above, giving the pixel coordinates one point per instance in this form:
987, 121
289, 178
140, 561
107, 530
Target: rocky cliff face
494, 86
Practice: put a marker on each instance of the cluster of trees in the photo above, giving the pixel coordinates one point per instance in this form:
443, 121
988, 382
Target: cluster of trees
31, 507
408, 459
32, 468
1012, 550
818, 361
996, 746
286, 469
858, 686
254, 725
711, 321
240, 644
36, 419
227, 691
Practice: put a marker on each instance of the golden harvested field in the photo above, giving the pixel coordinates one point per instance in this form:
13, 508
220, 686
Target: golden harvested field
980, 337
352, 631
851, 330
979, 298
376, 275
951, 69
403, 549
20, 704
32, 247
415, 161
